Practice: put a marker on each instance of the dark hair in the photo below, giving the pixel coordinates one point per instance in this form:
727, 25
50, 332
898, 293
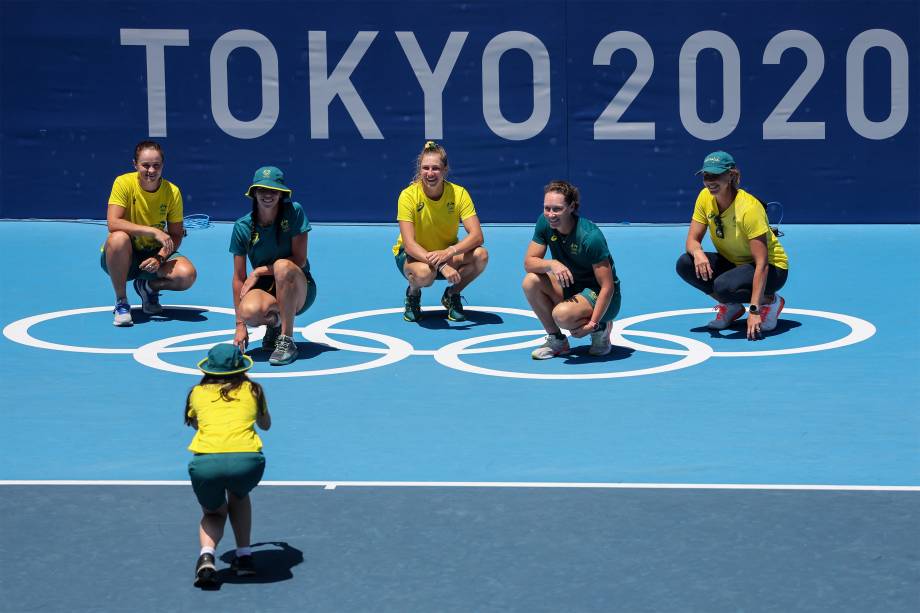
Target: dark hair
430, 147
228, 384
283, 202
568, 191
148, 144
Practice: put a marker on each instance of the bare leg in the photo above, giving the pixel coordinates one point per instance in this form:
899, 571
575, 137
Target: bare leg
118, 257
175, 275
211, 528
543, 294
290, 290
469, 265
418, 274
241, 519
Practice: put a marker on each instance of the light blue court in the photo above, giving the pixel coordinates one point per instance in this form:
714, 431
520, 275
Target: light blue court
384, 400
437, 467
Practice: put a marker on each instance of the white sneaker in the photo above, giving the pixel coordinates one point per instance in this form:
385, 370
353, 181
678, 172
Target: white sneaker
725, 315
769, 313
600, 341
122, 313
551, 348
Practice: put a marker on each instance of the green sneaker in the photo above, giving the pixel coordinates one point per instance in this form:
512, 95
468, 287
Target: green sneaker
413, 310
285, 351
271, 336
454, 306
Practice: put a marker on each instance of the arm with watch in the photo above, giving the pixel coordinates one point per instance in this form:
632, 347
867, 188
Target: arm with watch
604, 275
759, 253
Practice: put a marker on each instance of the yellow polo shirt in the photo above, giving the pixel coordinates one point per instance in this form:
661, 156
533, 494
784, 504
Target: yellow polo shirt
224, 427
153, 209
436, 221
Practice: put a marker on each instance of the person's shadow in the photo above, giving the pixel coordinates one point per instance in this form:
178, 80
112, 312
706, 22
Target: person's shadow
169, 313
273, 562
738, 329
305, 351
580, 355
437, 320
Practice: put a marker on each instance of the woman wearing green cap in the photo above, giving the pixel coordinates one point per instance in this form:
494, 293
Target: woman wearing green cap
273, 236
228, 461
749, 265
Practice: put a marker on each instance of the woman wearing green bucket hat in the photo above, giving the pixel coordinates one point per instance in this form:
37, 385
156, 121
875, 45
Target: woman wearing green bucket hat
749, 264
273, 237
228, 463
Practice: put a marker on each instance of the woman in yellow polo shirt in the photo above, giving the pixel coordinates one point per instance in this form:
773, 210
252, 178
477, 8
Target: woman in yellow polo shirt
749, 265
429, 213
228, 461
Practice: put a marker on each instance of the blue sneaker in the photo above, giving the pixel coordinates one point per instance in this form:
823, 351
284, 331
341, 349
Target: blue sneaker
150, 298
122, 312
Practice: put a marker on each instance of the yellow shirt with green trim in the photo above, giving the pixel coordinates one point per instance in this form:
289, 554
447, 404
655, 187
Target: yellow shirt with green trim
743, 220
224, 427
153, 209
436, 221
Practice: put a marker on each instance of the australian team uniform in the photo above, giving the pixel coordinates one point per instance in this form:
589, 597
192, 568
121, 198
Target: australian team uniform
263, 245
436, 222
580, 250
228, 451
152, 209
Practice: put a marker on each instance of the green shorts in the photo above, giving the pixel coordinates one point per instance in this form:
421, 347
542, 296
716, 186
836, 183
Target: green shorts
401, 264
214, 474
591, 296
138, 256
267, 284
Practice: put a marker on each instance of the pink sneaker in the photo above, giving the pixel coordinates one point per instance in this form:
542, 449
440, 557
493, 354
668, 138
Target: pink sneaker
725, 315
769, 313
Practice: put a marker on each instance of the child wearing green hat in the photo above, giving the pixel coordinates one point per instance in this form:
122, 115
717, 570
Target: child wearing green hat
273, 237
749, 265
228, 463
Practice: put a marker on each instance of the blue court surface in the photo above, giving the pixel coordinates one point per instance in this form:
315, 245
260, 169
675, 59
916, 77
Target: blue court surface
436, 467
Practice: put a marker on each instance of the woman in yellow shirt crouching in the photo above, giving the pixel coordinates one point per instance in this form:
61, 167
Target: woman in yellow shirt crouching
228, 462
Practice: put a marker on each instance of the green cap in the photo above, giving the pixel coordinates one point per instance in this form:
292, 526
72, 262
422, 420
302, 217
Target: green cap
716, 163
225, 359
269, 177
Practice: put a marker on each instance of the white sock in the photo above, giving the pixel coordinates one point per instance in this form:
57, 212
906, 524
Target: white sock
243, 551
205, 550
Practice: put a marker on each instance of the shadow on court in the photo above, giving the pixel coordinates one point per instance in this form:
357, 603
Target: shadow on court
305, 351
738, 330
437, 320
580, 355
170, 313
273, 560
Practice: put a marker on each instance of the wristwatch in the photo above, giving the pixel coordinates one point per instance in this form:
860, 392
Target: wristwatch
753, 309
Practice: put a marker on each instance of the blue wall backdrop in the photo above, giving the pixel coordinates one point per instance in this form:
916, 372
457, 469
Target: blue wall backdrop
817, 100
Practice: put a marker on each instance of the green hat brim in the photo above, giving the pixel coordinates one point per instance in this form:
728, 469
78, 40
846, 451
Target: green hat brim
247, 361
248, 193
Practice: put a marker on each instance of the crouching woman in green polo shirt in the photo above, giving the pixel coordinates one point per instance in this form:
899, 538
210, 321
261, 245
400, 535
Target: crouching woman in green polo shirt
228, 462
273, 236
578, 289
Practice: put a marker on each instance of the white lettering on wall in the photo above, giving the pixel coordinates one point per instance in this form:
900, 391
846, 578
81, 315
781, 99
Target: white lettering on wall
155, 42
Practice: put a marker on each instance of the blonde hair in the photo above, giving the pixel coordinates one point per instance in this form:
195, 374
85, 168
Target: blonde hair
430, 147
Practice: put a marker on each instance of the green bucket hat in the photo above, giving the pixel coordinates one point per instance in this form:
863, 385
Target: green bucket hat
716, 163
225, 359
269, 177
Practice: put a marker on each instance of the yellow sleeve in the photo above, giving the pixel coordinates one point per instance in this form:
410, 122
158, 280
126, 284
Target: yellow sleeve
753, 221
466, 205
192, 414
121, 193
405, 206
174, 211
700, 212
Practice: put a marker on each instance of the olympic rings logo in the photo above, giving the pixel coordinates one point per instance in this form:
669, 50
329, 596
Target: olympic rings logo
691, 353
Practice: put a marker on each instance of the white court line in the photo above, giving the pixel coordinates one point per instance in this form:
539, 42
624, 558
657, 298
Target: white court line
331, 485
